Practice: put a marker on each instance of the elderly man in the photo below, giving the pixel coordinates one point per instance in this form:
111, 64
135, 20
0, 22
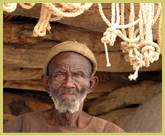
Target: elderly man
68, 77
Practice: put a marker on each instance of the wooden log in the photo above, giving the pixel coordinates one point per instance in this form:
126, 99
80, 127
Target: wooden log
21, 73
22, 33
24, 84
94, 95
33, 57
90, 19
19, 33
26, 56
123, 97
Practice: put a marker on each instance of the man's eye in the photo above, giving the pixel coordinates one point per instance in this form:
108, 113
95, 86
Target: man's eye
77, 75
59, 76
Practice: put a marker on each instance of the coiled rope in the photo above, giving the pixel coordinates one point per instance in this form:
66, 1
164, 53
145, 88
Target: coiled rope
50, 12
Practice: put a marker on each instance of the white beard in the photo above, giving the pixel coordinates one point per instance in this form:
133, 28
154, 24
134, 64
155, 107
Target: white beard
64, 107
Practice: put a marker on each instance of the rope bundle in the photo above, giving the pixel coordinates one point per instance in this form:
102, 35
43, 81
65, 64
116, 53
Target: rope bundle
139, 47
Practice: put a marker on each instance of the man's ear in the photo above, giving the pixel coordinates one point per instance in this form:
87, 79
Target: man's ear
45, 82
92, 83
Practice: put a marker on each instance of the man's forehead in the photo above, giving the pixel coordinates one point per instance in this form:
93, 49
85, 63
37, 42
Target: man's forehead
71, 60
72, 57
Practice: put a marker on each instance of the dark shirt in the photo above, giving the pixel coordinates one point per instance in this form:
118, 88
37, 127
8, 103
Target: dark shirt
35, 123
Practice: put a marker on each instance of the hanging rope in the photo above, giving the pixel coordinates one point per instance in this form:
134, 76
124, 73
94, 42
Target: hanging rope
131, 48
160, 31
109, 36
122, 18
139, 47
145, 51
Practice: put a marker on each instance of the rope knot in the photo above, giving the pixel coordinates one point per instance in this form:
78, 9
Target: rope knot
109, 36
126, 46
150, 52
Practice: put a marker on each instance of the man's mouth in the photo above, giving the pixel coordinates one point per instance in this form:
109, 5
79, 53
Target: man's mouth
70, 96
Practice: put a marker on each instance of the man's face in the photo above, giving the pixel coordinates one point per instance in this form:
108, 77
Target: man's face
69, 75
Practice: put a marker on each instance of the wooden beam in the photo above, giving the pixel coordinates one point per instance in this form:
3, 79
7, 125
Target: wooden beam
90, 19
10, 73
21, 73
22, 33
120, 65
33, 57
37, 86
24, 84
19, 33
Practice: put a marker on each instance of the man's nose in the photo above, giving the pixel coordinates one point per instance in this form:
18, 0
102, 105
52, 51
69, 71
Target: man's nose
68, 82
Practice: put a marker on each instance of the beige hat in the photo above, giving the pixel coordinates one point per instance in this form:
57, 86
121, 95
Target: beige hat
70, 46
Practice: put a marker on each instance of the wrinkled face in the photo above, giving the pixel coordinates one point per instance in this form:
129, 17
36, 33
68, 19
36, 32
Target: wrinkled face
69, 75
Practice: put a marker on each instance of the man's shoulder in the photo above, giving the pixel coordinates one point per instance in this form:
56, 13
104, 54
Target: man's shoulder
15, 125
27, 115
33, 114
108, 126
